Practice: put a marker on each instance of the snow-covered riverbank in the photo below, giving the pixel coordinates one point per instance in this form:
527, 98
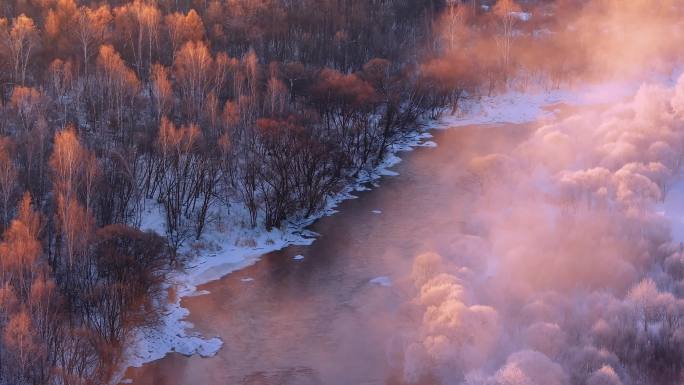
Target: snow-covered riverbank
230, 245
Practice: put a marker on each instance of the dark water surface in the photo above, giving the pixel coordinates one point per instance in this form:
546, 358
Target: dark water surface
320, 320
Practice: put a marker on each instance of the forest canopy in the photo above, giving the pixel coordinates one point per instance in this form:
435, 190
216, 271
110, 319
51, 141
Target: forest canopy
109, 109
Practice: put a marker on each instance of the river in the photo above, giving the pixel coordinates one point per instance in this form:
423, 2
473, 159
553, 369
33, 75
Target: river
330, 318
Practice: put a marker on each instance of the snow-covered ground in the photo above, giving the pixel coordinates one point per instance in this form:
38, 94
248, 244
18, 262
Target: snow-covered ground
230, 245
522, 107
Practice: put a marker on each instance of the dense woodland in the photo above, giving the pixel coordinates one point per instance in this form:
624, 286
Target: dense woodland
109, 107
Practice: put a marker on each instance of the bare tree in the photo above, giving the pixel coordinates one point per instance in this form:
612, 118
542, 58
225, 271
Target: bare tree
117, 87
8, 178
507, 13
20, 40
29, 104
138, 23
193, 70
182, 29
162, 91
91, 30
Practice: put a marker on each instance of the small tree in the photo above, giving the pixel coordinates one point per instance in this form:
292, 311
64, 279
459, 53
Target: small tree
507, 13
20, 40
8, 178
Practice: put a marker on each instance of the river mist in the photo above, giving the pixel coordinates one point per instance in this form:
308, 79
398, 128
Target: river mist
566, 272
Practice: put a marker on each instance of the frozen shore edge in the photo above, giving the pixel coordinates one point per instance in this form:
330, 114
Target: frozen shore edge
175, 334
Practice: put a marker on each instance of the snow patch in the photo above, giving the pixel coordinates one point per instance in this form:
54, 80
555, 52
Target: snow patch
428, 143
199, 293
381, 281
298, 257
516, 107
522, 16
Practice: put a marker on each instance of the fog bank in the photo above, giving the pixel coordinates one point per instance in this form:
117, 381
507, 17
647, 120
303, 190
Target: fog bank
567, 274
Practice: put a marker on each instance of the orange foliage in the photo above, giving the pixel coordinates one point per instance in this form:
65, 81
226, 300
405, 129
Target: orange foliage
66, 161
